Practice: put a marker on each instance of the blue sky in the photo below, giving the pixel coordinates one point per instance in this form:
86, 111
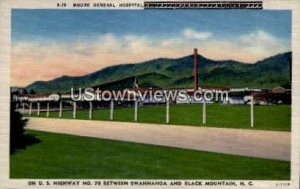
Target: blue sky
70, 24
52, 43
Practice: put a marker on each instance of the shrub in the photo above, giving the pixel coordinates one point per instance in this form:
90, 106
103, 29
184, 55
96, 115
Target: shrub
17, 124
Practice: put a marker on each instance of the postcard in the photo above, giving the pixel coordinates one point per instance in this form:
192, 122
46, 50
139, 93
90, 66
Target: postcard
149, 94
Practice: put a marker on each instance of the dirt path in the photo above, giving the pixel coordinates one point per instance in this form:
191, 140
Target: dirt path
254, 143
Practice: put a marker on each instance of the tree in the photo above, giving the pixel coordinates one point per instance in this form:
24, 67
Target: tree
25, 91
17, 124
32, 91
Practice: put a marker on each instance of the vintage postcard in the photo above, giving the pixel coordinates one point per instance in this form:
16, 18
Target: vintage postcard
149, 94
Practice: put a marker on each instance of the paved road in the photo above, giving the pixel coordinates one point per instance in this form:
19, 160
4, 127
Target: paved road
254, 143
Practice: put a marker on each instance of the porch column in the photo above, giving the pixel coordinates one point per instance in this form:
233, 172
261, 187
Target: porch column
47, 109
30, 108
204, 112
38, 109
60, 109
167, 111
91, 110
74, 110
252, 112
136, 111
111, 110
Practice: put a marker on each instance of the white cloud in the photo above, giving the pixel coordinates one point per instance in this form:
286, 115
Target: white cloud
257, 38
193, 34
261, 42
50, 60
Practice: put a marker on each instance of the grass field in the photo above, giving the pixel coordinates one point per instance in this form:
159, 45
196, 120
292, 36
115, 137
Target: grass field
66, 156
276, 117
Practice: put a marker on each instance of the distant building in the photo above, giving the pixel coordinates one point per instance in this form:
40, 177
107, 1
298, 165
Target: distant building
18, 90
279, 90
235, 100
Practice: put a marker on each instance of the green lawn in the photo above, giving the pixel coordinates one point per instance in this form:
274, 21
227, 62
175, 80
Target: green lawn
276, 117
66, 156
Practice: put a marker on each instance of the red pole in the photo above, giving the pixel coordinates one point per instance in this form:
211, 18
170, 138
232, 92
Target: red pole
195, 69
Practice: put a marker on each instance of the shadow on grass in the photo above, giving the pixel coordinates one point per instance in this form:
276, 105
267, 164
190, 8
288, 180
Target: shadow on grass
25, 141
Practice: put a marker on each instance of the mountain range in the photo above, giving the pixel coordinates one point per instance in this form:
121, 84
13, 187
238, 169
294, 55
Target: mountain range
168, 73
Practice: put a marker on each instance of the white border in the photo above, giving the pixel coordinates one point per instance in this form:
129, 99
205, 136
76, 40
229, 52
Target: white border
5, 22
